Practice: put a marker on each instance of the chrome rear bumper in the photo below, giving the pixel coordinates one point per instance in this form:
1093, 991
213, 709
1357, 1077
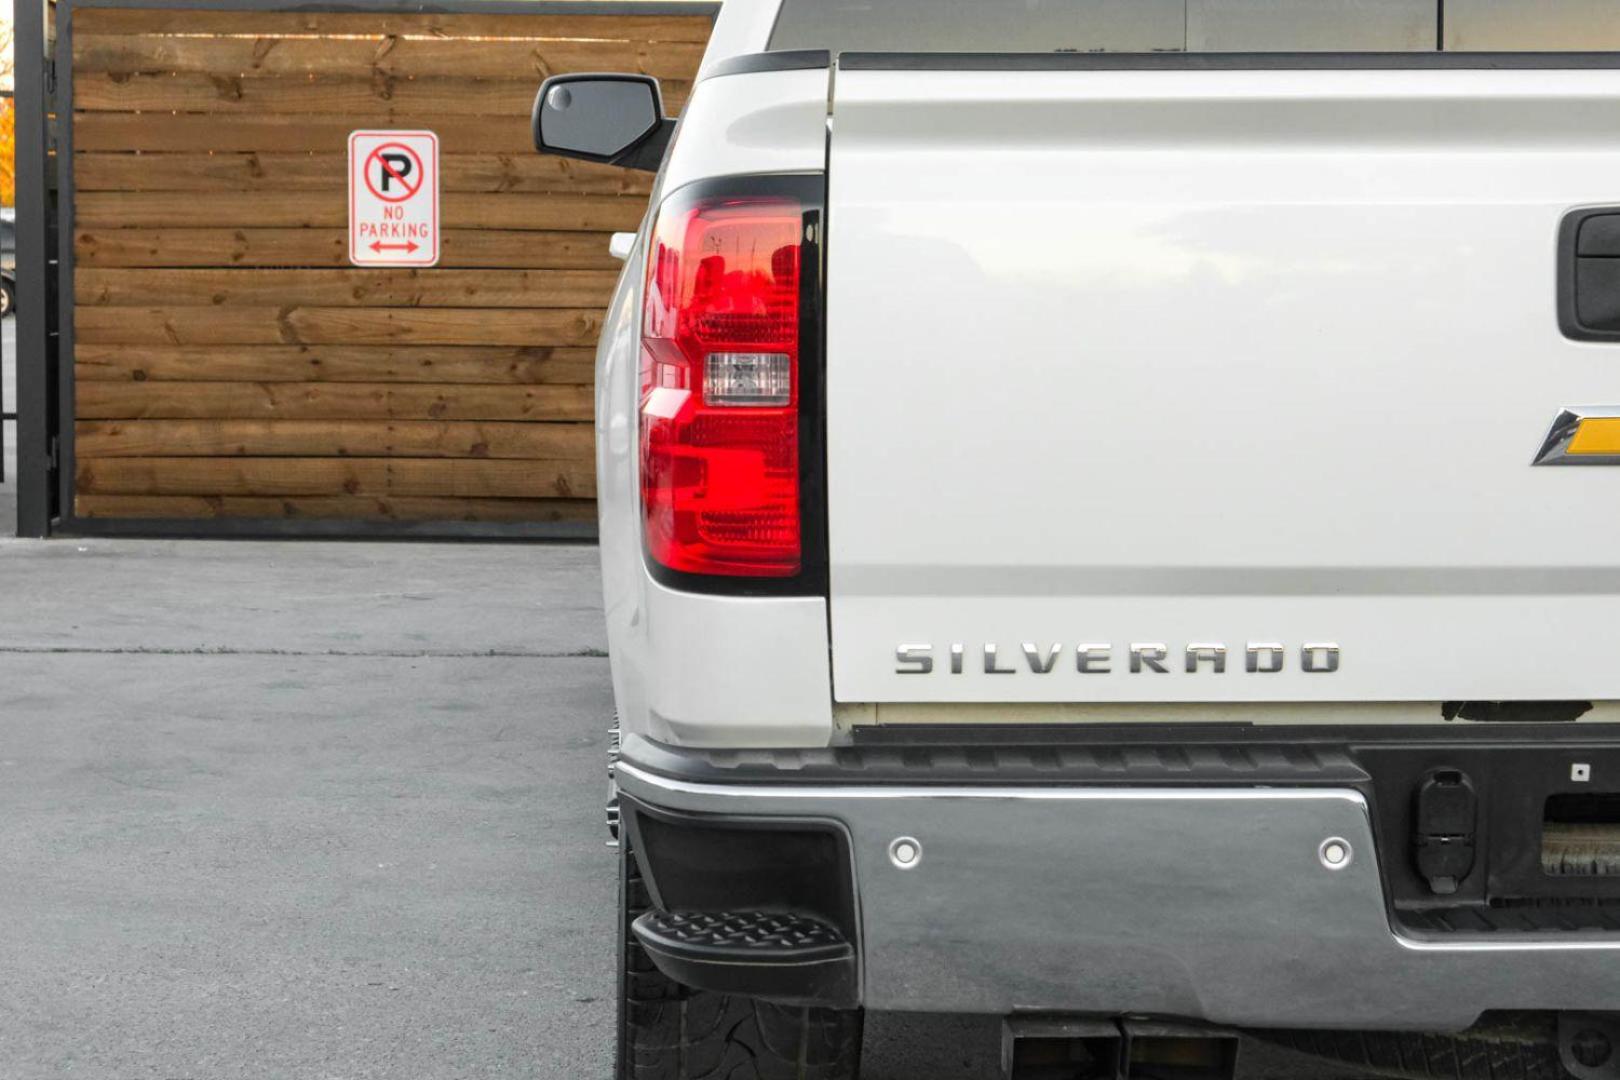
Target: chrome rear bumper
1208, 903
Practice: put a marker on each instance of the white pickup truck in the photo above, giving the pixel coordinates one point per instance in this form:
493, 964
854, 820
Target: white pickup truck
1091, 535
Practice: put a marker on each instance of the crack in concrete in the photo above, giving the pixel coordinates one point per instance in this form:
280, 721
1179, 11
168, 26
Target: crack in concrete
382, 654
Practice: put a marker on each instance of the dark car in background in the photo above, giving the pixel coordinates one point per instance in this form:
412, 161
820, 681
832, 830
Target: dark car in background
8, 262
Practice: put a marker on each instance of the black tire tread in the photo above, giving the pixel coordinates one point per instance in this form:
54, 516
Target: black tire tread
672, 1032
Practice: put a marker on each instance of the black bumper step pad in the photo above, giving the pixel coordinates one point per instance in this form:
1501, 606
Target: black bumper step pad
785, 957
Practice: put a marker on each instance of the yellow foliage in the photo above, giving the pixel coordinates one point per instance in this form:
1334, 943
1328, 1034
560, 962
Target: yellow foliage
8, 152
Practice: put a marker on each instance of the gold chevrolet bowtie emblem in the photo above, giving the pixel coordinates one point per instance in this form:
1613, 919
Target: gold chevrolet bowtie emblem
1583, 435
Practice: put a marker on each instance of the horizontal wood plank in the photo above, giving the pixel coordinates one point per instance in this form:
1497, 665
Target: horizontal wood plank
203, 132
499, 58
333, 325
262, 173
314, 507
360, 288
536, 365
376, 96
333, 438
614, 27
335, 476
294, 209
329, 401
186, 247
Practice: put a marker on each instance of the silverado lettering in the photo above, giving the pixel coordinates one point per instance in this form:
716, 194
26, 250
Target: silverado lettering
1259, 658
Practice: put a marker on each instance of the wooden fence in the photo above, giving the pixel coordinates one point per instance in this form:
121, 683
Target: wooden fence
229, 363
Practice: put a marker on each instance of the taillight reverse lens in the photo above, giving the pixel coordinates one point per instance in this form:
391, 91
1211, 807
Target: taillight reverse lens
720, 387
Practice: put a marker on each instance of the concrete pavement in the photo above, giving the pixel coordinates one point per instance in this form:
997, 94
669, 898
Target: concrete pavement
281, 811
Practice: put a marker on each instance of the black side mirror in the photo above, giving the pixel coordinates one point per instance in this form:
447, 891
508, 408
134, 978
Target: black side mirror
617, 119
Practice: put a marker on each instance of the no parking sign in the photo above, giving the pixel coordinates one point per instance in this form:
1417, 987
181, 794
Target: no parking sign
393, 198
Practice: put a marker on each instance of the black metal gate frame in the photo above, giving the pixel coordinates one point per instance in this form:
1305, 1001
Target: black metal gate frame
36, 340
45, 395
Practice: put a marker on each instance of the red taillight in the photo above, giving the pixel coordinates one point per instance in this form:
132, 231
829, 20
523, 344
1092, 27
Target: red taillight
720, 387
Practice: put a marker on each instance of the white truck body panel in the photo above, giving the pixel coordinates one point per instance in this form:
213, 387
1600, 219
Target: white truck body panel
1230, 357
764, 122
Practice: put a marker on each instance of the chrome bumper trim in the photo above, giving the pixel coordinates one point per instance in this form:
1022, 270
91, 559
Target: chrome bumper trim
1023, 794
1202, 903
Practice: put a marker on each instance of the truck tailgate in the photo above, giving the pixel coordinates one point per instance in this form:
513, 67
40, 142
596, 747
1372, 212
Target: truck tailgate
1209, 359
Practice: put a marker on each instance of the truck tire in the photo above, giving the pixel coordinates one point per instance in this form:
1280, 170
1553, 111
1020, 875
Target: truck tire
1522, 1049
668, 1031
8, 297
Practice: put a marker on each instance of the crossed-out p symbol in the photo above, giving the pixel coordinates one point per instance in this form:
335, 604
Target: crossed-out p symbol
396, 165
393, 172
